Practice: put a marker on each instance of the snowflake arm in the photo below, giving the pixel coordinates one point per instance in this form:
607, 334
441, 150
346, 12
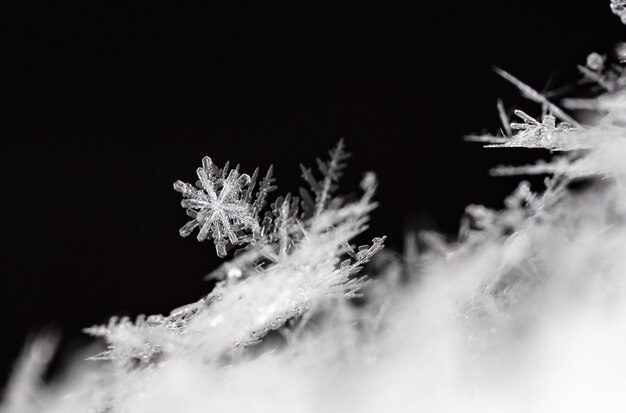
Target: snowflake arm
324, 188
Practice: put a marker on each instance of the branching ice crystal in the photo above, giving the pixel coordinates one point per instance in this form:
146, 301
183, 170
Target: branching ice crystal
534, 134
542, 132
290, 263
323, 189
531, 94
221, 205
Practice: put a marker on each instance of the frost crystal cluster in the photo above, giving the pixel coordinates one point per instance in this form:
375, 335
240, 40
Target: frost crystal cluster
288, 262
524, 311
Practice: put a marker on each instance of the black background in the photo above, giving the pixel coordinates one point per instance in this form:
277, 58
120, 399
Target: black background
110, 102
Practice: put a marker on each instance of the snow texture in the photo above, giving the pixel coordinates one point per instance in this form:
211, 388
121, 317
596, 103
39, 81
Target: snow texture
525, 311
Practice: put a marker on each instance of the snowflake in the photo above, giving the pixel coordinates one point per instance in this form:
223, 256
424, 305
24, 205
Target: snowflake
220, 205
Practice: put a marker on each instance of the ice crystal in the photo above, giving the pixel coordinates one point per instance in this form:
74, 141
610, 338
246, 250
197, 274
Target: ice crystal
504, 119
525, 311
566, 135
521, 207
537, 97
542, 134
291, 261
534, 134
221, 205
139, 338
323, 189
236, 314
604, 142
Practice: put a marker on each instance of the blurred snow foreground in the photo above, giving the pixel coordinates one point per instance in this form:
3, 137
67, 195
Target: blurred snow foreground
525, 311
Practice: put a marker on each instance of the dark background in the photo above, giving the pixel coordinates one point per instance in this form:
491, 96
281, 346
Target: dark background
109, 102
